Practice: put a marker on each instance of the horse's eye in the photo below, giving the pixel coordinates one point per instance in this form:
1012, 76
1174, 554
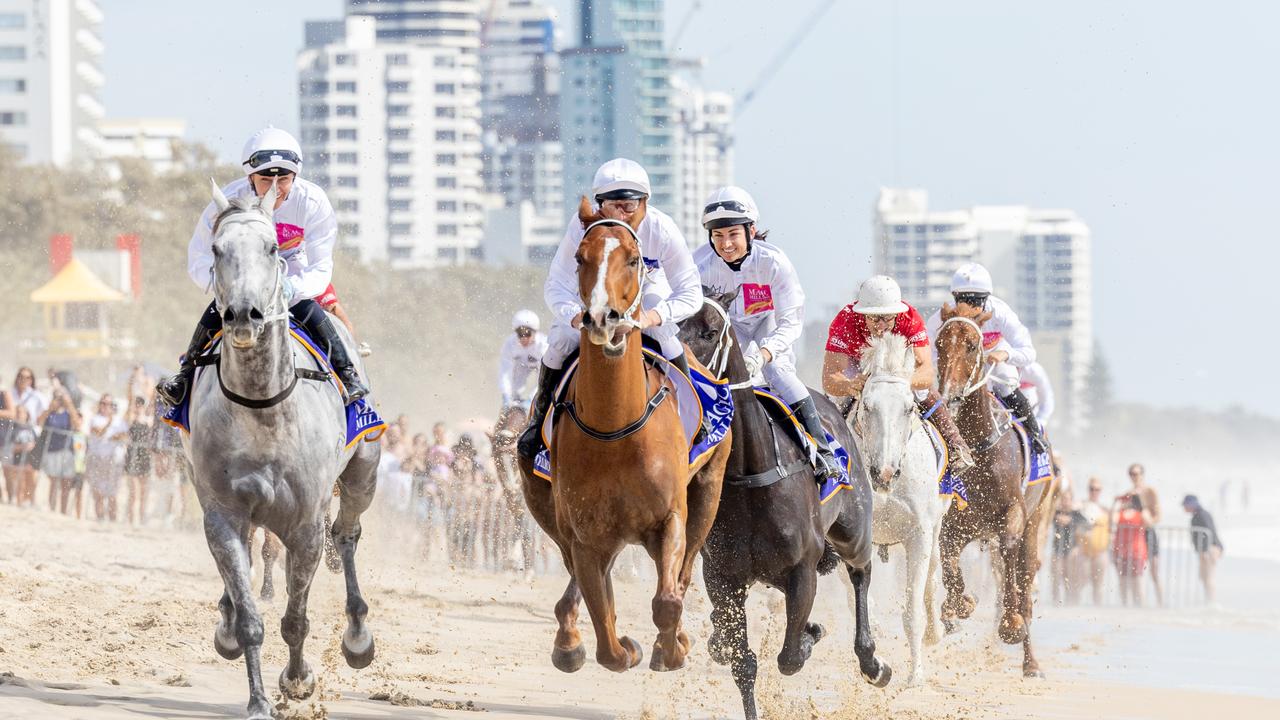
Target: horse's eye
217, 251
635, 262
577, 259
707, 334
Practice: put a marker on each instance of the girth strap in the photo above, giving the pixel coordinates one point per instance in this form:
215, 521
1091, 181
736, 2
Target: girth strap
256, 404
768, 477
631, 429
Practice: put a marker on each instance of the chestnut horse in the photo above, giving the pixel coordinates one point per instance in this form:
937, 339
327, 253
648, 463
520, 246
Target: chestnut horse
999, 507
620, 465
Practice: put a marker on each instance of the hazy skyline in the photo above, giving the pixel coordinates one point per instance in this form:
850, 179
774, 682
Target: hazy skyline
1156, 123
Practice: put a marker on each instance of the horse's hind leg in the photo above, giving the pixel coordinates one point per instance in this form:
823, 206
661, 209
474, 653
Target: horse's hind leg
729, 642
229, 543
567, 654
864, 646
297, 681
591, 570
271, 548
668, 551
358, 482
1013, 626
801, 586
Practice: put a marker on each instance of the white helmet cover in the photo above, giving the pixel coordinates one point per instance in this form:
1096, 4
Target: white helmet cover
271, 148
730, 205
525, 319
620, 174
971, 278
880, 295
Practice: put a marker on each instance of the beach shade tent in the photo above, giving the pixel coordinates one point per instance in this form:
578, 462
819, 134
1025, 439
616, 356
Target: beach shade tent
75, 323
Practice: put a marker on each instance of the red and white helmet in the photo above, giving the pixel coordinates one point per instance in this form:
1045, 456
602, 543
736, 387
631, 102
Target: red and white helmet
730, 205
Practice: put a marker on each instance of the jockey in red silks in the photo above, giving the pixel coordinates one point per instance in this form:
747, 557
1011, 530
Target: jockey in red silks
1006, 339
306, 231
768, 310
878, 310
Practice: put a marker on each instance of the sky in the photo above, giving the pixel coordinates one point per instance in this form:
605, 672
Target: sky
1157, 122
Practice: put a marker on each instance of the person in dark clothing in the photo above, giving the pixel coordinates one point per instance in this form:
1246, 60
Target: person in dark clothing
1206, 542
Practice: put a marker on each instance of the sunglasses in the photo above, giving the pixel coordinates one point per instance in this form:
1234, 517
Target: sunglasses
881, 318
524, 332
1095, 489
977, 300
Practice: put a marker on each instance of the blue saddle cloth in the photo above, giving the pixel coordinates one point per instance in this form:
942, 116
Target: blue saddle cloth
701, 402
948, 485
363, 422
778, 407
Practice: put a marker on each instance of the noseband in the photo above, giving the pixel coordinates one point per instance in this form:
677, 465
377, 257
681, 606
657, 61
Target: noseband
281, 266
626, 320
916, 422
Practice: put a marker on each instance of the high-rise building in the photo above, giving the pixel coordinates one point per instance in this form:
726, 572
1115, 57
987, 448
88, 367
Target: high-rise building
391, 130
431, 23
51, 79
149, 139
704, 140
1040, 263
616, 98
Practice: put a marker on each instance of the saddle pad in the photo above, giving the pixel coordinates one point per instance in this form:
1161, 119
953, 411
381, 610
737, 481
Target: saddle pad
700, 401
778, 407
363, 422
948, 486
1038, 467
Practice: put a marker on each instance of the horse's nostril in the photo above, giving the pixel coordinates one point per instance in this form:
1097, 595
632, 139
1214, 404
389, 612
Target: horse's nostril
255, 314
229, 316
614, 314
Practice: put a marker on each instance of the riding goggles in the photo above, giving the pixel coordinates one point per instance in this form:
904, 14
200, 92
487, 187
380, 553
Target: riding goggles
730, 205
264, 162
977, 300
524, 332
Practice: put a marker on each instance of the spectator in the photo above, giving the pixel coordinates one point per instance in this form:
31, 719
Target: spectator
19, 475
58, 458
169, 465
1151, 513
1096, 539
1129, 550
1067, 524
140, 421
1207, 544
24, 393
8, 411
102, 468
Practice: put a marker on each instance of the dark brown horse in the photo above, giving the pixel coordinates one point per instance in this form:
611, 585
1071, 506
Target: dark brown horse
999, 508
771, 527
503, 442
620, 467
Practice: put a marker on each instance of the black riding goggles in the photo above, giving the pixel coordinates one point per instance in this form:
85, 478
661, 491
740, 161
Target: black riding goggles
524, 332
262, 157
977, 300
730, 205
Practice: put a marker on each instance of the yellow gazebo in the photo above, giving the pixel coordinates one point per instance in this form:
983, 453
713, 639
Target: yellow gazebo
74, 322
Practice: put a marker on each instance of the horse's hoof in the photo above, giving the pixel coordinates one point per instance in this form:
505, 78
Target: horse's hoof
634, 651
915, 679
357, 649
1033, 672
815, 631
1013, 630
301, 688
226, 644
882, 678
790, 667
568, 660
950, 626
658, 663
967, 605
260, 710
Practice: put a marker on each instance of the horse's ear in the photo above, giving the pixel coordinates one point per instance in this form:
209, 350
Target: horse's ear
983, 317
586, 213
948, 311
268, 202
726, 299
219, 200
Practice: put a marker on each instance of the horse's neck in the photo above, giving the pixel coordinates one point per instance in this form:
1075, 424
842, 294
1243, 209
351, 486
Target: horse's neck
263, 370
753, 448
975, 419
610, 393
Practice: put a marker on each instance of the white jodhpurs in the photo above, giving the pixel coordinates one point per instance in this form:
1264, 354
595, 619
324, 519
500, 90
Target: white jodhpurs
563, 339
780, 373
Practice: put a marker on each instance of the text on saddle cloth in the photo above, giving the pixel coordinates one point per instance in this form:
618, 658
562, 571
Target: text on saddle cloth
948, 485
363, 422
778, 408
700, 401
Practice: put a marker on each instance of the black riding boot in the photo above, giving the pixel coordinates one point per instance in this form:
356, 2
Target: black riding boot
1021, 407
320, 326
530, 441
174, 389
807, 412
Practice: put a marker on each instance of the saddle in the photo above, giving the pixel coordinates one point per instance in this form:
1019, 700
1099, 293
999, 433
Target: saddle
781, 418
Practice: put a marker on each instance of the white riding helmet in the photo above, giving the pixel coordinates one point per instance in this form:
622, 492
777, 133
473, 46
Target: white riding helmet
880, 295
730, 205
971, 278
525, 319
620, 179
271, 151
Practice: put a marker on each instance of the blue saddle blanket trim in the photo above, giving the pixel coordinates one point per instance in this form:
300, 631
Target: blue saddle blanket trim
713, 399
948, 485
827, 488
362, 420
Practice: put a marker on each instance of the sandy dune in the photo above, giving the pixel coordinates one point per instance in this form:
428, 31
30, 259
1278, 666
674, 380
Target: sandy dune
106, 622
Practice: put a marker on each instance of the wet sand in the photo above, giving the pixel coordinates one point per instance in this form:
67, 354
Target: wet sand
108, 622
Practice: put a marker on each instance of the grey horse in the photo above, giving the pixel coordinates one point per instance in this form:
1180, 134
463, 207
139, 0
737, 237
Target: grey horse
267, 442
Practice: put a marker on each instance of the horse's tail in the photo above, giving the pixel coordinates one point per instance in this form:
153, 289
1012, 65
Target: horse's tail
253, 490
829, 560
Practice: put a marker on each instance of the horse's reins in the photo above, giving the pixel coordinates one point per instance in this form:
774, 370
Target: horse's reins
997, 431
724, 344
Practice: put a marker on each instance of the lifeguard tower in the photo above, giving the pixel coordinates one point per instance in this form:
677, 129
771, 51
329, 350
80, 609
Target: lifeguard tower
74, 312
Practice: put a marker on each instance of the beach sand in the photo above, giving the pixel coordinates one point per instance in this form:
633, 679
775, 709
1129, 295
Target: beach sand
108, 622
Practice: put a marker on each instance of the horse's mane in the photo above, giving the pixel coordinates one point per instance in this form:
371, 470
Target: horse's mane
888, 354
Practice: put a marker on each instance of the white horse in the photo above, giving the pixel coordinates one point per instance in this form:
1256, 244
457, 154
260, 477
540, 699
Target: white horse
900, 462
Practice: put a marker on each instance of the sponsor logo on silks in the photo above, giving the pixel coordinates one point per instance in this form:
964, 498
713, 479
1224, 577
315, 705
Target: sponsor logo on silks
651, 264
288, 236
756, 298
991, 339
920, 337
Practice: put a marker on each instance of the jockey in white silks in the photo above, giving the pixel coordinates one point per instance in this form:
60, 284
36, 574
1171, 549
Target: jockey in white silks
1006, 339
1034, 383
671, 290
306, 231
521, 355
769, 308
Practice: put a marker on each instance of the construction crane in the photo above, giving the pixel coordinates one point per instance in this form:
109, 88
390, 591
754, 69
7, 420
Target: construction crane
783, 54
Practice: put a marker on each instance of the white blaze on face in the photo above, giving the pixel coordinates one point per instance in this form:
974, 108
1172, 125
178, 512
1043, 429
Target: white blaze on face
599, 293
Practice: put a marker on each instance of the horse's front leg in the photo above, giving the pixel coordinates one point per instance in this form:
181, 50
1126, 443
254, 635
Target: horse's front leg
873, 670
356, 486
729, 643
914, 618
1013, 626
228, 540
297, 681
271, 548
567, 654
591, 570
955, 535
667, 549
801, 635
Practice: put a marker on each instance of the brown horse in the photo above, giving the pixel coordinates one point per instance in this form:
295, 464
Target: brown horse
999, 508
620, 466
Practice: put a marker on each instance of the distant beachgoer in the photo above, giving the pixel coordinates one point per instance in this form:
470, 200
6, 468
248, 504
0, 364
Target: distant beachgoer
1068, 525
1096, 540
1129, 549
1207, 544
1151, 511
19, 476
102, 469
58, 460
140, 420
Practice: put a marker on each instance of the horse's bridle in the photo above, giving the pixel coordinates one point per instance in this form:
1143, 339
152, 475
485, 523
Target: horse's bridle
276, 296
627, 320
981, 382
724, 345
857, 413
